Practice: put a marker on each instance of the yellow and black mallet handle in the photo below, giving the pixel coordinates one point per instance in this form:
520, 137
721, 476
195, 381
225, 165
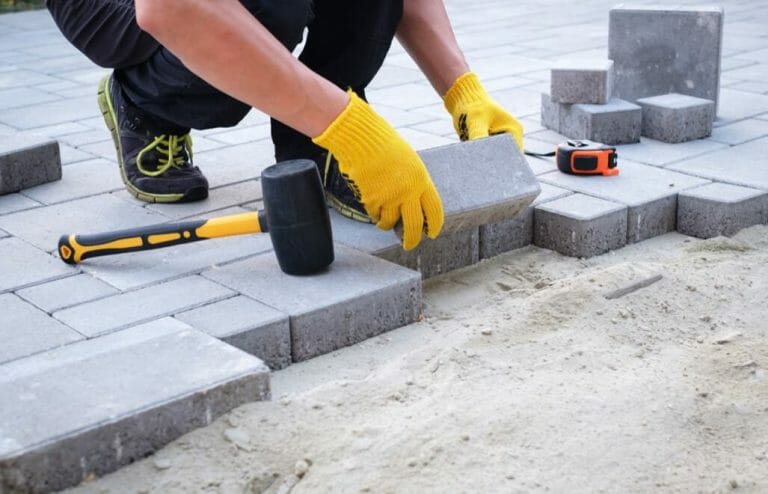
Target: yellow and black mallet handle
75, 248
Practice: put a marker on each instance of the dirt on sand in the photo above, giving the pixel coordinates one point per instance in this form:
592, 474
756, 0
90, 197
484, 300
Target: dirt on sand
522, 377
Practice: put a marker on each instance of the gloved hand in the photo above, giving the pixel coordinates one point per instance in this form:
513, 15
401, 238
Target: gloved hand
386, 174
475, 114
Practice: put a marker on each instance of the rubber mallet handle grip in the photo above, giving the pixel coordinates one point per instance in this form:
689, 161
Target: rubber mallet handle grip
75, 248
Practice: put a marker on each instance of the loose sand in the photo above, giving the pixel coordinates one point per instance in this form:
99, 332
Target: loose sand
522, 377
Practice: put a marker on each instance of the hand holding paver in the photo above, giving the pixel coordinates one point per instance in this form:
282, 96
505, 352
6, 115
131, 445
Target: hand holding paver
475, 114
386, 174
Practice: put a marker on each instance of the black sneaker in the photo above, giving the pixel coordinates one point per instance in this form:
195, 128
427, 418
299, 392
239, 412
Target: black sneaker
338, 193
155, 158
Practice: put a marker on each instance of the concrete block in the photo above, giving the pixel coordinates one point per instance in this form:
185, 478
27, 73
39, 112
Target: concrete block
358, 297
60, 294
582, 81
650, 193
580, 226
720, 209
26, 161
737, 165
22, 265
446, 253
248, 325
128, 309
677, 118
662, 49
617, 122
91, 407
552, 112
497, 238
26, 330
481, 181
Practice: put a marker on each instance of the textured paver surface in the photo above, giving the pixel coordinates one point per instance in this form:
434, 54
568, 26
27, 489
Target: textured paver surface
47, 89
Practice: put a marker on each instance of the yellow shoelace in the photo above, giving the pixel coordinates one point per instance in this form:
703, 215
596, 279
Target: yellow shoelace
170, 146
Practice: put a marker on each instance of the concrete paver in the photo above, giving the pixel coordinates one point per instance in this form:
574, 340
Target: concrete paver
23, 265
66, 292
720, 209
677, 118
738, 165
26, 161
582, 81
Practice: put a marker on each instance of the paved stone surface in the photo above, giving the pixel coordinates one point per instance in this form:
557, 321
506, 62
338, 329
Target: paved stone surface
650, 194
432, 257
582, 81
26, 161
677, 118
27, 330
738, 165
93, 406
662, 154
720, 209
60, 294
481, 181
79, 180
23, 265
580, 226
360, 296
248, 325
131, 308
657, 50
741, 132
497, 238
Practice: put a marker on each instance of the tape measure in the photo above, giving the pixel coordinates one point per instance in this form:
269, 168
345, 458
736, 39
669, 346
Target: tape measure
584, 157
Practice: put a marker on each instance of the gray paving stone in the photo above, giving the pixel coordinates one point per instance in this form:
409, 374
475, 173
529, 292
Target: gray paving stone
580, 226
738, 105
23, 78
497, 238
520, 102
12, 203
658, 50
26, 161
552, 112
83, 179
432, 257
650, 194
94, 406
13, 98
662, 154
51, 113
234, 164
66, 292
617, 122
757, 87
420, 140
582, 81
23, 265
740, 132
480, 181
248, 325
27, 330
43, 226
242, 135
405, 96
219, 198
739, 165
70, 155
128, 309
720, 209
677, 118
359, 297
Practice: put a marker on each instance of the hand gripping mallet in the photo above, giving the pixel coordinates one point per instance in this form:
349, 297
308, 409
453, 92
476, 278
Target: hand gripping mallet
295, 215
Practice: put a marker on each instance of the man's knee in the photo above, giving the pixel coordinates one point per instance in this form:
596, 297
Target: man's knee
285, 19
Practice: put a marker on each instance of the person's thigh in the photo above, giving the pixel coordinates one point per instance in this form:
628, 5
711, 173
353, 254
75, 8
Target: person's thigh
104, 30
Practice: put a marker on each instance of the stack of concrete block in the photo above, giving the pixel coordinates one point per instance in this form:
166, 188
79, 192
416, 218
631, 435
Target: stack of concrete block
581, 106
26, 161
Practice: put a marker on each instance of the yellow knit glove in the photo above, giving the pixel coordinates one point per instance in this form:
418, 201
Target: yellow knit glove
385, 173
475, 114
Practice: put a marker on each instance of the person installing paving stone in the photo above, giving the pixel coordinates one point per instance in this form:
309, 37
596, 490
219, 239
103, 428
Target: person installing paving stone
182, 64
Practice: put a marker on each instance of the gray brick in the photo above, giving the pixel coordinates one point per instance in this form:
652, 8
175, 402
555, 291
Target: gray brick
27, 330
23, 265
447, 253
497, 238
121, 311
94, 406
738, 165
582, 81
234, 164
359, 297
740, 132
218, 198
26, 161
83, 179
662, 154
649, 192
13, 98
720, 209
657, 50
552, 112
617, 122
12, 203
481, 181
43, 226
677, 118
580, 226
60, 294
51, 113
424, 140
248, 325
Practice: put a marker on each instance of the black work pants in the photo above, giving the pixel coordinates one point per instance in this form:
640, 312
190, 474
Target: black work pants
347, 41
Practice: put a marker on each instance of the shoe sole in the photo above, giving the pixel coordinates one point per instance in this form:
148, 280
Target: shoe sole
110, 119
347, 211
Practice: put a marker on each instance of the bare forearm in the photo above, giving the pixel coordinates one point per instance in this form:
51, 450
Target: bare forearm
426, 34
225, 45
